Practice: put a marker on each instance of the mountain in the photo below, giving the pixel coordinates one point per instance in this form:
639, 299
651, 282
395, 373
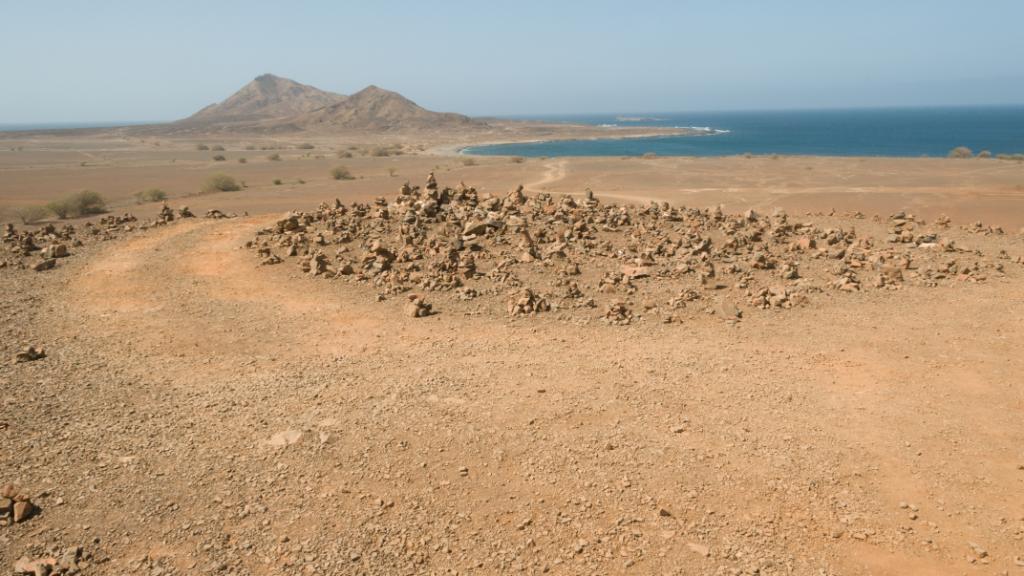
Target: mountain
274, 104
374, 108
267, 97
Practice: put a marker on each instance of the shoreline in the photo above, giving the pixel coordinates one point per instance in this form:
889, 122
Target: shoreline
460, 149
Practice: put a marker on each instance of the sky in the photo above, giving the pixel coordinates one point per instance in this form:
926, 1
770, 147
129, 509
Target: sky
141, 60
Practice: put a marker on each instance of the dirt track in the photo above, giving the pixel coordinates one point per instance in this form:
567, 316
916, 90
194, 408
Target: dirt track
785, 444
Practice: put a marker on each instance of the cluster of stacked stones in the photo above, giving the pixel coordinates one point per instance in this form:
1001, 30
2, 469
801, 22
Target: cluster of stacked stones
15, 506
41, 248
540, 253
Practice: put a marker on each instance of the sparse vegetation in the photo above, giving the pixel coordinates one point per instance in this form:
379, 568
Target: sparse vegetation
649, 155
518, 159
242, 160
220, 183
961, 152
385, 151
985, 154
344, 154
150, 195
217, 148
219, 158
275, 157
469, 161
305, 146
277, 181
31, 214
202, 147
1017, 157
392, 172
78, 204
341, 173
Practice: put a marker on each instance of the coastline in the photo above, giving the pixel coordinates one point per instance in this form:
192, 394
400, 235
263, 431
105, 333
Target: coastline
460, 149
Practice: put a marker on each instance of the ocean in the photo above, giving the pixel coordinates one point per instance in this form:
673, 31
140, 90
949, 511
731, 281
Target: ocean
895, 132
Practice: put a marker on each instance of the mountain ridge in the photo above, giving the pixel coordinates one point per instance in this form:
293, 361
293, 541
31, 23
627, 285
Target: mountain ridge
273, 102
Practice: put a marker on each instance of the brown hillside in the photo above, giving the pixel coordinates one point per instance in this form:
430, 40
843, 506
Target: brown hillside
267, 97
379, 109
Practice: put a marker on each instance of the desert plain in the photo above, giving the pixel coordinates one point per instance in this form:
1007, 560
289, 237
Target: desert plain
197, 412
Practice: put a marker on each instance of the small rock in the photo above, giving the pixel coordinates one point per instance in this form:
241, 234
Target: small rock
23, 510
285, 438
39, 567
699, 549
46, 264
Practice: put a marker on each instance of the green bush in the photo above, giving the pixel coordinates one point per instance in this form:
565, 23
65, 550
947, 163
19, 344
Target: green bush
961, 152
60, 209
242, 160
277, 181
341, 173
31, 214
151, 195
220, 183
82, 203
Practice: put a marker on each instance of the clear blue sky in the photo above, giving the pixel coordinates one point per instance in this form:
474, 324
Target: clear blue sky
161, 60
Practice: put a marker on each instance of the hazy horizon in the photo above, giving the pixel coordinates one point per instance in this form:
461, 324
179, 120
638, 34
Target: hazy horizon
122, 62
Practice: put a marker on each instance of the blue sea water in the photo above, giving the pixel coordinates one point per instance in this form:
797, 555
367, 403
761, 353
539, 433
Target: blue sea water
865, 132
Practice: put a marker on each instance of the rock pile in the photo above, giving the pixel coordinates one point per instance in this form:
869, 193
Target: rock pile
15, 506
29, 354
40, 249
217, 214
543, 253
417, 307
66, 561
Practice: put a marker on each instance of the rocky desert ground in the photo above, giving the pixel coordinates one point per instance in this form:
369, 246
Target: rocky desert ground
627, 366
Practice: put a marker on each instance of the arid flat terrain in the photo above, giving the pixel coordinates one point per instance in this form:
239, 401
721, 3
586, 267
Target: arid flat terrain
41, 168
836, 390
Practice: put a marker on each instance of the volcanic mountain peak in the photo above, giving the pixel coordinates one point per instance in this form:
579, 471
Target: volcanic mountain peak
267, 97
